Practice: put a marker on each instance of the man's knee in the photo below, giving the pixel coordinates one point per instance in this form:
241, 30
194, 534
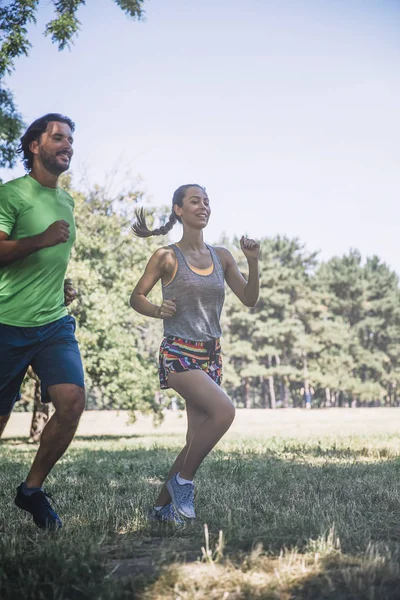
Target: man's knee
70, 404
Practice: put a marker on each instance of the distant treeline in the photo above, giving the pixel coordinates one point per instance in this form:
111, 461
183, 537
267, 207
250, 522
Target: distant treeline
322, 334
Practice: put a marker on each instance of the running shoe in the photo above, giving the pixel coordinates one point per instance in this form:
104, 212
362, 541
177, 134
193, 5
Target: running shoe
166, 514
40, 508
182, 497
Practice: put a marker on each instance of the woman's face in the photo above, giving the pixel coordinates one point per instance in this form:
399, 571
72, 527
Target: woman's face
195, 211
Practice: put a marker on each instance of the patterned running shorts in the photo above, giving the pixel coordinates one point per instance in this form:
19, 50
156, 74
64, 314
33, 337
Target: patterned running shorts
180, 355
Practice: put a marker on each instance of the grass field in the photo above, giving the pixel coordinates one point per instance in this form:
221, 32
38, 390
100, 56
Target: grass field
298, 504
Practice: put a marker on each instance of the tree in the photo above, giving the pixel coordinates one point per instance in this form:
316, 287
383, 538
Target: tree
41, 410
326, 333
367, 300
11, 126
267, 345
119, 346
15, 16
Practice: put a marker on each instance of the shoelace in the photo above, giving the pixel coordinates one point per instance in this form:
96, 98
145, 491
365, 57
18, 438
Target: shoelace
168, 514
174, 515
169, 511
42, 499
187, 493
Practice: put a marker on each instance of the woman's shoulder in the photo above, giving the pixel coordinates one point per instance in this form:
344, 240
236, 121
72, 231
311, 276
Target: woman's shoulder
223, 254
165, 257
164, 252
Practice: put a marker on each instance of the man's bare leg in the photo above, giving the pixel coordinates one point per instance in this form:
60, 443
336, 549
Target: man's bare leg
69, 402
3, 422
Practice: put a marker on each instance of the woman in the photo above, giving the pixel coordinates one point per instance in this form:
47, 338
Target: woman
192, 276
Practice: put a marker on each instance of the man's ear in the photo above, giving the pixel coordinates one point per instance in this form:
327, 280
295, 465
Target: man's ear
34, 147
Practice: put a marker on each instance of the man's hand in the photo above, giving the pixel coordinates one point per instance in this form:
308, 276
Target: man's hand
56, 233
69, 292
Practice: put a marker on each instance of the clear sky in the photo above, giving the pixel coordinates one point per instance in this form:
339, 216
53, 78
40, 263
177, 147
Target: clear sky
287, 111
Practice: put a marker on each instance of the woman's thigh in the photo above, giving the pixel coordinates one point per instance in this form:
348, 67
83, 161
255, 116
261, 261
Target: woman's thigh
201, 393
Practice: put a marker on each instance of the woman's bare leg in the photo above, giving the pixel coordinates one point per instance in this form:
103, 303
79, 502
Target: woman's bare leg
203, 394
195, 419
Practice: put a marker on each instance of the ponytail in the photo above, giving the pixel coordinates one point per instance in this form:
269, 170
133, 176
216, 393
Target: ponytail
140, 228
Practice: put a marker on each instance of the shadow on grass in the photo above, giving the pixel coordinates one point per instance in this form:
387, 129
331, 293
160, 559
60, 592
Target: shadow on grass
108, 437
272, 499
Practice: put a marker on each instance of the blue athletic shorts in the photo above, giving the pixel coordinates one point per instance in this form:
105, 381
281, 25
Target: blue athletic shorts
51, 350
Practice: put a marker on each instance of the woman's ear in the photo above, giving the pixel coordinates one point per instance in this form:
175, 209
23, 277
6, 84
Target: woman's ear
177, 210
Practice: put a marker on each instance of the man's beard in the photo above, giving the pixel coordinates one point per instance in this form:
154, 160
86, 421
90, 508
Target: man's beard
51, 164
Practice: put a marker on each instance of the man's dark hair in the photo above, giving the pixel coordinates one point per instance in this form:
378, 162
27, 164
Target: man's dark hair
34, 132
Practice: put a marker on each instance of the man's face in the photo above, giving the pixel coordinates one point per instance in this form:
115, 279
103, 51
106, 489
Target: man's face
54, 148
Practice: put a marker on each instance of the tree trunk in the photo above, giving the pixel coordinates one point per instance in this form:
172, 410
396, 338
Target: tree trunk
40, 414
282, 386
327, 396
246, 393
285, 398
272, 397
307, 392
264, 393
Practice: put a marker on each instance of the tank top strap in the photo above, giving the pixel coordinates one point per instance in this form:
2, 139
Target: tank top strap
216, 261
178, 253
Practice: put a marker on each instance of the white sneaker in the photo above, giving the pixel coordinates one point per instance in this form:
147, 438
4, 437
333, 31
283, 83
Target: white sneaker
166, 514
182, 497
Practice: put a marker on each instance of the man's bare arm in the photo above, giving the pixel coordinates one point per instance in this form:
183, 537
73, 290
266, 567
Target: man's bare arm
12, 250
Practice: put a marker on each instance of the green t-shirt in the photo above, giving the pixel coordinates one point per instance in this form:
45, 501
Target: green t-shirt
32, 289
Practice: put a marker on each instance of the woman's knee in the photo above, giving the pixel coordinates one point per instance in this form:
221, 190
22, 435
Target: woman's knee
225, 415
231, 413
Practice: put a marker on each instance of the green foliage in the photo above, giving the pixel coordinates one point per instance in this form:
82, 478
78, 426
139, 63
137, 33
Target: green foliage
11, 126
15, 16
132, 8
119, 346
331, 330
63, 28
327, 332
14, 41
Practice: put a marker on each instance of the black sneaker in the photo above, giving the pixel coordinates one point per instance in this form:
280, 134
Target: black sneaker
37, 504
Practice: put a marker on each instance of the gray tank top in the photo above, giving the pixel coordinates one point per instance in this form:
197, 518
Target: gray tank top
199, 300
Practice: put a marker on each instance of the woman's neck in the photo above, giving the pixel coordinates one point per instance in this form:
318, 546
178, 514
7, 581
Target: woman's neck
192, 240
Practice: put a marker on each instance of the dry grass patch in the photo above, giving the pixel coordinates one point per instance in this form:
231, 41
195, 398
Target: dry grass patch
322, 572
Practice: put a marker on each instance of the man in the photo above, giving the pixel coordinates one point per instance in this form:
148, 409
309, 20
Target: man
36, 235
